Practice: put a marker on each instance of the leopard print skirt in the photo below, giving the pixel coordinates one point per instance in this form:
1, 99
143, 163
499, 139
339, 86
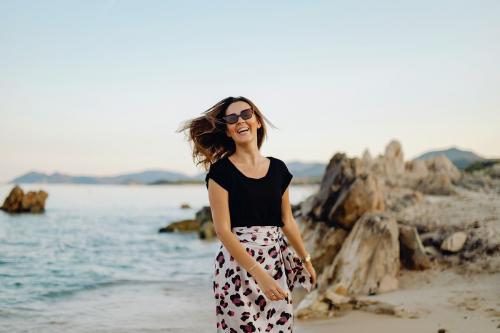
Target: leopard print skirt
240, 304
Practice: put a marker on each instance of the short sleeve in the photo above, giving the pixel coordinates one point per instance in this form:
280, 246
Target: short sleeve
286, 177
218, 174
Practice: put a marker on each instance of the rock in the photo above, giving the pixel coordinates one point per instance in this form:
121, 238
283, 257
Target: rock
185, 206
31, 202
204, 214
431, 176
202, 223
368, 261
207, 230
433, 238
432, 251
397, 200
412, 251
438, 184
321, 241
494, 171
479, 182
443, 166
312, 306
394, 158
390, 165
454, 242
367, 158
346, 192
307, 205
416, 169
182, 226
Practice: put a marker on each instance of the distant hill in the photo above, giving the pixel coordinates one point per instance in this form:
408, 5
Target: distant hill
144, 177
306, 171
300, 170
461, 158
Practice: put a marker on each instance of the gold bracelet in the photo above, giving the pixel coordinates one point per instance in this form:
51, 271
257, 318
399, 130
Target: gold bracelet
306, 259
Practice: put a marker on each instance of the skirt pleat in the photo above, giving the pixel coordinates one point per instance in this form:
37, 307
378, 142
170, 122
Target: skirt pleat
240, 304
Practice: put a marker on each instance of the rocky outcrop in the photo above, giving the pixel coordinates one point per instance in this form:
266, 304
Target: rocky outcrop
361, 230
346, 192
391, 164
202, 223
368, 261
482, 178
413, 254
322, 241
182, 226
432, 176
19, 202
207, 230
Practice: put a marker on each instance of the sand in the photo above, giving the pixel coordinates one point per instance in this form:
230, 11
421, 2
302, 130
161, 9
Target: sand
429, 300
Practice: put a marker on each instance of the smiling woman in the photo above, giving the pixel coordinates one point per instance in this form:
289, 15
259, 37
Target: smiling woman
255, 270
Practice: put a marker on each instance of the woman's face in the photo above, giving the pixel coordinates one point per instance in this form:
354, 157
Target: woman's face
237, 130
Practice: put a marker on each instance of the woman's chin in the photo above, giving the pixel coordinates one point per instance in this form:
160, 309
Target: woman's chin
244, 138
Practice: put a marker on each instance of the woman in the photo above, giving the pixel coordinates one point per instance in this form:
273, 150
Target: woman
254, 269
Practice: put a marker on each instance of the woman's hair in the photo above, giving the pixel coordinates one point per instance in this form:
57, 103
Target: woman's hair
208, 132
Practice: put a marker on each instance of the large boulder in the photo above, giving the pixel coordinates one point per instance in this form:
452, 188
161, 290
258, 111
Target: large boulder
202, 223
19, 202
391, 163
346, 192
437, 184
368, 261
207, 230
413, 254
322, 241
435, 175
188, 225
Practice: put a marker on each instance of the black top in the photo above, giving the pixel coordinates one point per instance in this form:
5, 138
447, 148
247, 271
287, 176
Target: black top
252, 201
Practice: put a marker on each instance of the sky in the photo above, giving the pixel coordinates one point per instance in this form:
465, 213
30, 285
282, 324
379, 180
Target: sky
100, 87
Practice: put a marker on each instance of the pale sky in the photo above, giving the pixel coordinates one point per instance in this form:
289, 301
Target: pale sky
99, 87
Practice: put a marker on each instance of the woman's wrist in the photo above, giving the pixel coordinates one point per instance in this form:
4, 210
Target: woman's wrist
252, 267
306, 259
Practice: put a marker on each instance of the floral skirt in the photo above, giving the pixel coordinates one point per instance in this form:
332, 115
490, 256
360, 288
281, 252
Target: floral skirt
240, 304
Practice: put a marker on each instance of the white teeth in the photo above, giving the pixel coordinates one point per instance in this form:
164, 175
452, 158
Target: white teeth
242, 130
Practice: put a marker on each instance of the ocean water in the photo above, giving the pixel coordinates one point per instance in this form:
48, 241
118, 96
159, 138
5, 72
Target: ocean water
95, 262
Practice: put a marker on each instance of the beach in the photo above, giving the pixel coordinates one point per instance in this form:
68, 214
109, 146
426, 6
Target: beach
435, 299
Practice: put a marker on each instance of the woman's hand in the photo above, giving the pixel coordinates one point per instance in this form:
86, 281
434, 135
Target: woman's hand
308, 265
269, 286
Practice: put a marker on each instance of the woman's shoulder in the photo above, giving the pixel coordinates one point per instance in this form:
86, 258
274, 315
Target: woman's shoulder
221, 163
277, 160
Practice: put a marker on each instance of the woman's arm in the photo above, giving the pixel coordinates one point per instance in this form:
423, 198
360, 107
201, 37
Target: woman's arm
290, 228
219, 206
292, 233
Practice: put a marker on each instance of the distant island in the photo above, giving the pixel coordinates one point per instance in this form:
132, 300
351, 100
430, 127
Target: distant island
303, 172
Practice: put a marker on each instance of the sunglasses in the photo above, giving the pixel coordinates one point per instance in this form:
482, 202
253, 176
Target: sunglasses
233, 117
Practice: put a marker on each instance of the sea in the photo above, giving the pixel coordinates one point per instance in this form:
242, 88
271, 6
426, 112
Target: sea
95, 262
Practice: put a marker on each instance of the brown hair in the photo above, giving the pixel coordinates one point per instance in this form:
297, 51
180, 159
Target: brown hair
208, 132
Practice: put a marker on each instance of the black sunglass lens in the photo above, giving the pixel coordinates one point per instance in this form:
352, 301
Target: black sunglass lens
246, 114
233, 118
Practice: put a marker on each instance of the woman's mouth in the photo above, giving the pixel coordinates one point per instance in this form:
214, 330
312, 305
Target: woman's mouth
243, 131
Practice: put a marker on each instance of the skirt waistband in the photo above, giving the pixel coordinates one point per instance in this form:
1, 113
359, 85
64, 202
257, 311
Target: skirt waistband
258, 235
